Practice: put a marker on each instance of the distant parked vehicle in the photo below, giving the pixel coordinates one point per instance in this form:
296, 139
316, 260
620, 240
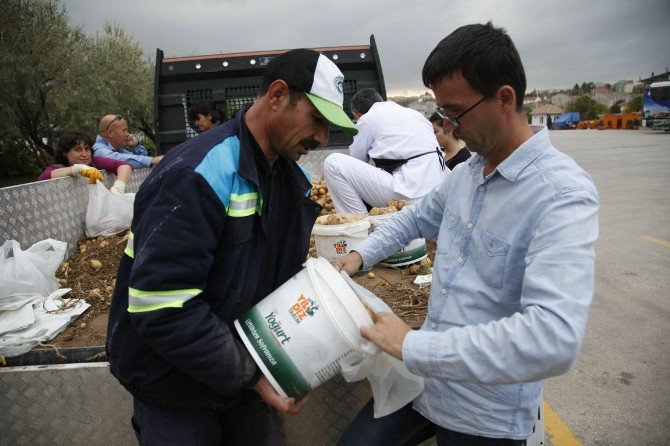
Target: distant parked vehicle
567, 121
656, 106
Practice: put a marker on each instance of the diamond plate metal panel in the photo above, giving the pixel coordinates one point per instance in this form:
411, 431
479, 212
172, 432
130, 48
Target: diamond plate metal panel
50, 209
327, 414
83, 404
71, 404
57, 208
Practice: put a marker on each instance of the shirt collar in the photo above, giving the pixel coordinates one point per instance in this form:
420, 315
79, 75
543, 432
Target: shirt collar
523, 156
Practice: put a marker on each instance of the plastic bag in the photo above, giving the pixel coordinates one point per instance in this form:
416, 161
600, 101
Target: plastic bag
28, 275
393, 386
107, 214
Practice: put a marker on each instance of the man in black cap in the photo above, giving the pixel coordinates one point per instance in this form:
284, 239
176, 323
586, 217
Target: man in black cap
223, 221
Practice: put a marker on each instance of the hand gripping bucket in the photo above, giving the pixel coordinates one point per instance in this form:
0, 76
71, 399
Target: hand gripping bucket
413, 252
333, 241
298, 334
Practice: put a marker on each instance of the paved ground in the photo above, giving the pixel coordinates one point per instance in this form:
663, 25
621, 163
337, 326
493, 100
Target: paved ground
618, 391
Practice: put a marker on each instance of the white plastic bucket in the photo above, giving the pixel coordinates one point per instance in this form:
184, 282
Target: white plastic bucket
333, 241
413, 252
298, 334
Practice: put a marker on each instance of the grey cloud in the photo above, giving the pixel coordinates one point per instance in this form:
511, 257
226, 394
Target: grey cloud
561, 43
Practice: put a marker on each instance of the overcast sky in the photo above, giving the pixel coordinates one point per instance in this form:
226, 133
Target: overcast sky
561, 42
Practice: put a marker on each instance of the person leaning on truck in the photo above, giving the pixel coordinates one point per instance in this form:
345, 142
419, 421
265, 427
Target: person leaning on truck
114, 141
514, 265
219, 224
73, 158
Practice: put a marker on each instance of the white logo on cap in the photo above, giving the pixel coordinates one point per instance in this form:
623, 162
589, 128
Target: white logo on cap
339, 81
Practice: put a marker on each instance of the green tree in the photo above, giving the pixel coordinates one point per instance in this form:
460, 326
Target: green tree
528, 109
125, 80
616, 107
635, 104
587, 107
38, 54
575, 90
54, 78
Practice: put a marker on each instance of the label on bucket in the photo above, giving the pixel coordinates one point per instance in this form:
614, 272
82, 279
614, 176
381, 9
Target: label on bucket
414, 251
292, 338
267, 336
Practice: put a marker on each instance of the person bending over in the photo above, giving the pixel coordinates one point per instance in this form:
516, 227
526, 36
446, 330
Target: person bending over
402, 145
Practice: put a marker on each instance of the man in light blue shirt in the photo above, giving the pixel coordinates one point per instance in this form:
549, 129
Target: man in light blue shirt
113, 136
514, 266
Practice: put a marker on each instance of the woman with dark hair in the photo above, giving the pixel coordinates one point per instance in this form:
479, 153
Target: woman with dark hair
451, 146
204, 115
73, 157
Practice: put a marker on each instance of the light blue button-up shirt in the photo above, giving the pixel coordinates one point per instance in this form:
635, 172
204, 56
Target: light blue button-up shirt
138, 158
512, 286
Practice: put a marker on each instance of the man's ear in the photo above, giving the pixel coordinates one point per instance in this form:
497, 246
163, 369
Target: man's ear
507, 97
278, 92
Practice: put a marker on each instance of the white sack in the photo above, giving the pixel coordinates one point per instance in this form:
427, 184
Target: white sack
107, 214
393, 386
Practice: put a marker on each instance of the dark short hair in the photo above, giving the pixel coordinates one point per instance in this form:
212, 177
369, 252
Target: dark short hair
205, 108
484, 55
68, 141
435, 117
364, 99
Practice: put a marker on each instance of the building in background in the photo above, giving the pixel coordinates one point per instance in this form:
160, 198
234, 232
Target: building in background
545, 114
561, 99
425, 104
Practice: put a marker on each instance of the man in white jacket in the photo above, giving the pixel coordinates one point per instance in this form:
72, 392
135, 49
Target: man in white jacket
402, 144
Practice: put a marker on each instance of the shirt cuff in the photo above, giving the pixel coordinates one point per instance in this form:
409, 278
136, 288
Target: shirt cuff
417, 350
367, 249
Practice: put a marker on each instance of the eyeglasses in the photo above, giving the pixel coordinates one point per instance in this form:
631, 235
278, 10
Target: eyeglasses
454, 121
110, 122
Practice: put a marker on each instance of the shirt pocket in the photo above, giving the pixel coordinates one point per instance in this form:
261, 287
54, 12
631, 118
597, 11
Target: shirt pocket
490, 258
448, 232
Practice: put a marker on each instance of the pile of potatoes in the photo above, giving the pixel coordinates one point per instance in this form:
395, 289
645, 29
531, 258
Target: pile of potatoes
320, 194
338, 219
393, 206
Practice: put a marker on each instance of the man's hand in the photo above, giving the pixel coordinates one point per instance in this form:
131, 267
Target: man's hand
131, 140
388, 333
282, 404
349, 263
156, 159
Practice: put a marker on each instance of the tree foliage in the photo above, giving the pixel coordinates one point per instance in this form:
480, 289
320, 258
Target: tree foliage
587, 107
635, 104
55, 78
